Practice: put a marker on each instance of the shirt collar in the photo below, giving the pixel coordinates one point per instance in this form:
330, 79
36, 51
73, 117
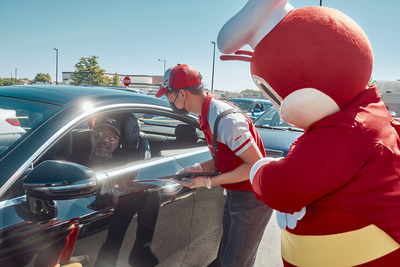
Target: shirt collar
205, 108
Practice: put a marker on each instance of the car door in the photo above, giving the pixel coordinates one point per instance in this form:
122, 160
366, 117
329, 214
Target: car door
132, 218
151, 219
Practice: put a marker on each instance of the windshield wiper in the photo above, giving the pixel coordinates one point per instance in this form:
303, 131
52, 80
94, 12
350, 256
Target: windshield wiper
281, 128
269, 127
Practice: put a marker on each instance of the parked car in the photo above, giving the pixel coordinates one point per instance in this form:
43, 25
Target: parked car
53, 210
135, 90
277, 135
9, 122
252, 107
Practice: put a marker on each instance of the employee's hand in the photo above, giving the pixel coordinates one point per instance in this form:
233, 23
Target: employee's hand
196, 182
195, 168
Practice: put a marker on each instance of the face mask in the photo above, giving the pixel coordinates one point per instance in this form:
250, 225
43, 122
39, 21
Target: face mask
180, 111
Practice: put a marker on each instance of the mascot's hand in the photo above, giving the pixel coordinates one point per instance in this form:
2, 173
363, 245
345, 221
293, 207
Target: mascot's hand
289, 220
284, 219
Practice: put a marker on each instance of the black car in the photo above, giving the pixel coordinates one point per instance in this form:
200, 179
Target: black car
277, 135
55, 211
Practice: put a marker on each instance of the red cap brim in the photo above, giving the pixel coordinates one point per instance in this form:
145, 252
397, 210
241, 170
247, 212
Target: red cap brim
162, 91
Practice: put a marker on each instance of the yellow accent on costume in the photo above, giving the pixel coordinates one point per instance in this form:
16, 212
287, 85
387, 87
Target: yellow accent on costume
344, 249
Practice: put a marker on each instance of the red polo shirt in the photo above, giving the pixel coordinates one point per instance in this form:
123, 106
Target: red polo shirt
228, 152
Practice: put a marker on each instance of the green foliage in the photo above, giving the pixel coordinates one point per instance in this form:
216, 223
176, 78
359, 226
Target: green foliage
44, 78
250, 91
88, 72
371, 82
9, 81
115, 80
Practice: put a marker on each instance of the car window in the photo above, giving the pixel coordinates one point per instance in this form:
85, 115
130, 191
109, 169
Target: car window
259, 106
245, 106
267, 105
168, 136
270, 118
142, 136
18, 117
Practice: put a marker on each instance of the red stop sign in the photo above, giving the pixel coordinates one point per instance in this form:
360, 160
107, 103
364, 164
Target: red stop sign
127, 81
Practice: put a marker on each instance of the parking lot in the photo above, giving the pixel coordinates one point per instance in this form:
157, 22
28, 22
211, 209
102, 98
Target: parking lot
269, 251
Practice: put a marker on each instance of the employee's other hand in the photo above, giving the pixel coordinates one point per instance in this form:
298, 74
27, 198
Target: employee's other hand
195, 168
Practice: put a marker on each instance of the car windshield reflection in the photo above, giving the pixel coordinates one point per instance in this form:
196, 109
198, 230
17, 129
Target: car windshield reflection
18, 117
271, 119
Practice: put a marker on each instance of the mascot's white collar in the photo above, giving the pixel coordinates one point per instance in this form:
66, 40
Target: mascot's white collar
251, 24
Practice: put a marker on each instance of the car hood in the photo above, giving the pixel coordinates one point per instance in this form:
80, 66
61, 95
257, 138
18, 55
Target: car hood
277, 140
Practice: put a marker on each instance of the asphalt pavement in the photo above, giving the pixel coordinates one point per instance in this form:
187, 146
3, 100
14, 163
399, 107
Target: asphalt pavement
269, 251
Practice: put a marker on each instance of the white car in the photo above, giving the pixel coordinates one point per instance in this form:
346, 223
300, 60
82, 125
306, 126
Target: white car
9, 123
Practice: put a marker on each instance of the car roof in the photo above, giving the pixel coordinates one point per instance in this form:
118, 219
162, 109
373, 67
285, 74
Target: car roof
250, 99
65, 94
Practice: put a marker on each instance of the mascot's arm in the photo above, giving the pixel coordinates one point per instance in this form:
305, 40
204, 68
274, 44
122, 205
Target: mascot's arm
322, 161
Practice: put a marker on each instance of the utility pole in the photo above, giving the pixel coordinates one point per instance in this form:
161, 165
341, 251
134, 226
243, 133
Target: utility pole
212, 79
164, 64
56, 65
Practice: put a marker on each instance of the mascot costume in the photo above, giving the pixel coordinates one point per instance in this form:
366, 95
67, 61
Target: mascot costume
337, 192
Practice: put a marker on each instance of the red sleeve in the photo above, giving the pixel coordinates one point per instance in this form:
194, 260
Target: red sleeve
323, 160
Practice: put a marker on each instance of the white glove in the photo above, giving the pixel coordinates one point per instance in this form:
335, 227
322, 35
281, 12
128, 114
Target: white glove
289, 220
195, 168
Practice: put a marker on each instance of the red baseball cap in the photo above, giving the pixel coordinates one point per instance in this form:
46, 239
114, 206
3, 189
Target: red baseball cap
179, 77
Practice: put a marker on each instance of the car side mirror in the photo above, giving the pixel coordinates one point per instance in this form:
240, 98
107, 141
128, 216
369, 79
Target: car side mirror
60, 180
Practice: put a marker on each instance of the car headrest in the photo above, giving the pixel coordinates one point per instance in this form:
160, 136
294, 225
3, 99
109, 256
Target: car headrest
131, 129
185, 132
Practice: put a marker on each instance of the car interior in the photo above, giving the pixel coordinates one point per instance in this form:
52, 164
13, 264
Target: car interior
140, 139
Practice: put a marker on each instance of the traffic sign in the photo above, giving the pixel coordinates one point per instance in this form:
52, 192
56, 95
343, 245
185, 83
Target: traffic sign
126, 81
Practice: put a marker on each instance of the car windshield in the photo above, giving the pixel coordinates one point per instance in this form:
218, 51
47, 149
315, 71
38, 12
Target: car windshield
18, 117
245, 106
271, 118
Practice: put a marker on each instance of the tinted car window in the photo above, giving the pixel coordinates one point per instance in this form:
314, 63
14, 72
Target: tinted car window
245, 106
270, 118
266, 106
18, 117
167, 134
158, 135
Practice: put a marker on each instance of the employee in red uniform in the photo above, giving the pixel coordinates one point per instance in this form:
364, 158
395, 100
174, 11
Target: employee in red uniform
239, 146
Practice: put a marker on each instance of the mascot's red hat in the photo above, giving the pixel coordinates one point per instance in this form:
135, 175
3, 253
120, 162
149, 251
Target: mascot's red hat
310, 61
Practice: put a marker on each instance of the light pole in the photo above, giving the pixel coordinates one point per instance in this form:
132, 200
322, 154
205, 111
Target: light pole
16, 75
320, 2
56, 65
164, 64
212, 79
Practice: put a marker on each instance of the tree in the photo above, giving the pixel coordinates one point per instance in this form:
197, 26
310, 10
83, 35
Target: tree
6, 81
115, 80
371, 82
41, 77
88, 72
250, 92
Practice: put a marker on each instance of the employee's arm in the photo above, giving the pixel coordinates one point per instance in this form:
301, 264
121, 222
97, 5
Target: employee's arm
241, 173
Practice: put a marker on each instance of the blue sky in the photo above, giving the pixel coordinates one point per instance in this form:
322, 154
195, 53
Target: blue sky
129, 36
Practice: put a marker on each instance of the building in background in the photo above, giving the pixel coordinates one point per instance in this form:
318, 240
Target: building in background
389, 90
146, 83
390, 93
